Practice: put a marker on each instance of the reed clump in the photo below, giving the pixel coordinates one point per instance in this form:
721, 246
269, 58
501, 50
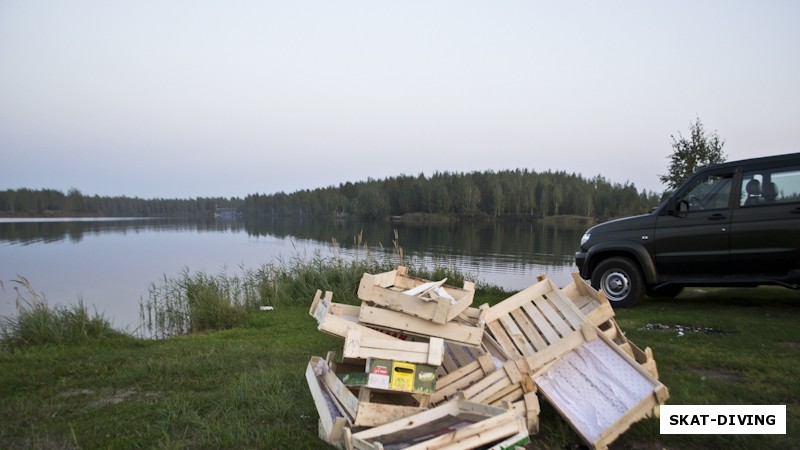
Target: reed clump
37, 323
193, 302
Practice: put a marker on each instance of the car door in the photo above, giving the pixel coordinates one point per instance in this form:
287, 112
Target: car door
765, 231
696, 242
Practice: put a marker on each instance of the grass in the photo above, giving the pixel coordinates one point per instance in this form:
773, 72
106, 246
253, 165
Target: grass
243, 387
37, 323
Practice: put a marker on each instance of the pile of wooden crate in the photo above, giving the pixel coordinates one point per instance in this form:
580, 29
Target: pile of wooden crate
421, 368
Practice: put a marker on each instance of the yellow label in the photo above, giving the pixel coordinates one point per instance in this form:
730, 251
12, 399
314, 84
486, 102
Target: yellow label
403, 376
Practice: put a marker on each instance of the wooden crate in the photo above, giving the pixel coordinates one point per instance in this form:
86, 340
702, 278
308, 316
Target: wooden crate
538, 324
332, 419
480, 379
360, 407
463, 377
457, 424
599, 312
600, 390
644, 357
364, 342
591, 302
462, 332
429, 300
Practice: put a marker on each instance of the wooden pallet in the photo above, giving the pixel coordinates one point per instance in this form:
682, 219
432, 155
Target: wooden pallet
457, 424
433, 301
600, 390
364, 342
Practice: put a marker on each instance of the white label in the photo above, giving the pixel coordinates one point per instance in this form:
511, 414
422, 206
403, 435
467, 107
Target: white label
723, 419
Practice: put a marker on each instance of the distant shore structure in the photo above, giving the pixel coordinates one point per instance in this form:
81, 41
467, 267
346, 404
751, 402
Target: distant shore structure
227, 213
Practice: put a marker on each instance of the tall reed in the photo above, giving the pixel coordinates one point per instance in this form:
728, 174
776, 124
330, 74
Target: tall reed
37, 323
197, 302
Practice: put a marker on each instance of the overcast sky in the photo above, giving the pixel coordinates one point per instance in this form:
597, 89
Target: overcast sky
182, 99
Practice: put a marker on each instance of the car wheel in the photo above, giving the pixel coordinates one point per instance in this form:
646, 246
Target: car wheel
620, 280
668, 291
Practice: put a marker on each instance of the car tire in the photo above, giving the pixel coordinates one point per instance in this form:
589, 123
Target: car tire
621, 281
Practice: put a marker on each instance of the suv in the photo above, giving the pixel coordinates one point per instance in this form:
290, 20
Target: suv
731, 224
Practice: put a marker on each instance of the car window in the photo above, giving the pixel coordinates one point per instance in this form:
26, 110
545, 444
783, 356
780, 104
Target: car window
710, 192
770, 186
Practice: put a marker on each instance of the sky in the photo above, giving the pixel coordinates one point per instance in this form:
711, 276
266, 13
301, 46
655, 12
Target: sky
185, 99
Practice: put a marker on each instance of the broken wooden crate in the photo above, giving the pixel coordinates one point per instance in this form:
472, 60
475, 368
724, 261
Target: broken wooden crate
598, 310
430, 300
600, 390
457, 424
535, 336
547, 336
358, 406
364, 342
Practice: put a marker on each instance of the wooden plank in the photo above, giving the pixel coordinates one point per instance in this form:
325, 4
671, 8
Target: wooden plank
376, 414
516, 335
503, 340
331, 420
474, 390
517, 300
568, 309
558, 322
529, 409
545, 328
387, 347
456, 332
510, 393
550, 353
493, 427
530, 331
340, 392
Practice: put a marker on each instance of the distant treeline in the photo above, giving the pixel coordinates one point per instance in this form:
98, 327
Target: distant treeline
51, 202
517, 193
514, 194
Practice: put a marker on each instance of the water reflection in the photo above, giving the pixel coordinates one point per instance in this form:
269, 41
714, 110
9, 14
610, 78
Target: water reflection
30, 231
110, 263
508, 241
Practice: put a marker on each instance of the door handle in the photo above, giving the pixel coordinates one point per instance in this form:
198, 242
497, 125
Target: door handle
717, 216
796, 210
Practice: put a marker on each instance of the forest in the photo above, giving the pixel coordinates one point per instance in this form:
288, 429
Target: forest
505, 194
512, 194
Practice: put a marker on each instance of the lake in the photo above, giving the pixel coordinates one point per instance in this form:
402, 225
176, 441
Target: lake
109, 264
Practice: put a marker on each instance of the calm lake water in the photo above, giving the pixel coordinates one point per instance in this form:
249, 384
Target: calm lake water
109, 264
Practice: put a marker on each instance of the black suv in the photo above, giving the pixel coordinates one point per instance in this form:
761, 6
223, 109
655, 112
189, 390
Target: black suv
731, 224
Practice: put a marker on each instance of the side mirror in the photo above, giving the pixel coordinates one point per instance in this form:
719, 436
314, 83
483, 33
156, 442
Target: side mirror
677, 208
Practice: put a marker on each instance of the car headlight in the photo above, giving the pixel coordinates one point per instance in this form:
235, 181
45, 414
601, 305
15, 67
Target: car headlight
585, 238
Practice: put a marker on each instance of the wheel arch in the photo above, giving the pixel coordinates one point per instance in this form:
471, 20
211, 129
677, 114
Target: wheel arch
635, 252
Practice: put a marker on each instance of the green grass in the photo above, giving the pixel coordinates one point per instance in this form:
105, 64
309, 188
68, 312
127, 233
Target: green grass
243, 387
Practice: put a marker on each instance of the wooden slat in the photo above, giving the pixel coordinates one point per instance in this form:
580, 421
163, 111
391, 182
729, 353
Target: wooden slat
552, 316
516, 335
331, 422
384, 318
545, 328
503, 340
528, 328
568, 309
517, 300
